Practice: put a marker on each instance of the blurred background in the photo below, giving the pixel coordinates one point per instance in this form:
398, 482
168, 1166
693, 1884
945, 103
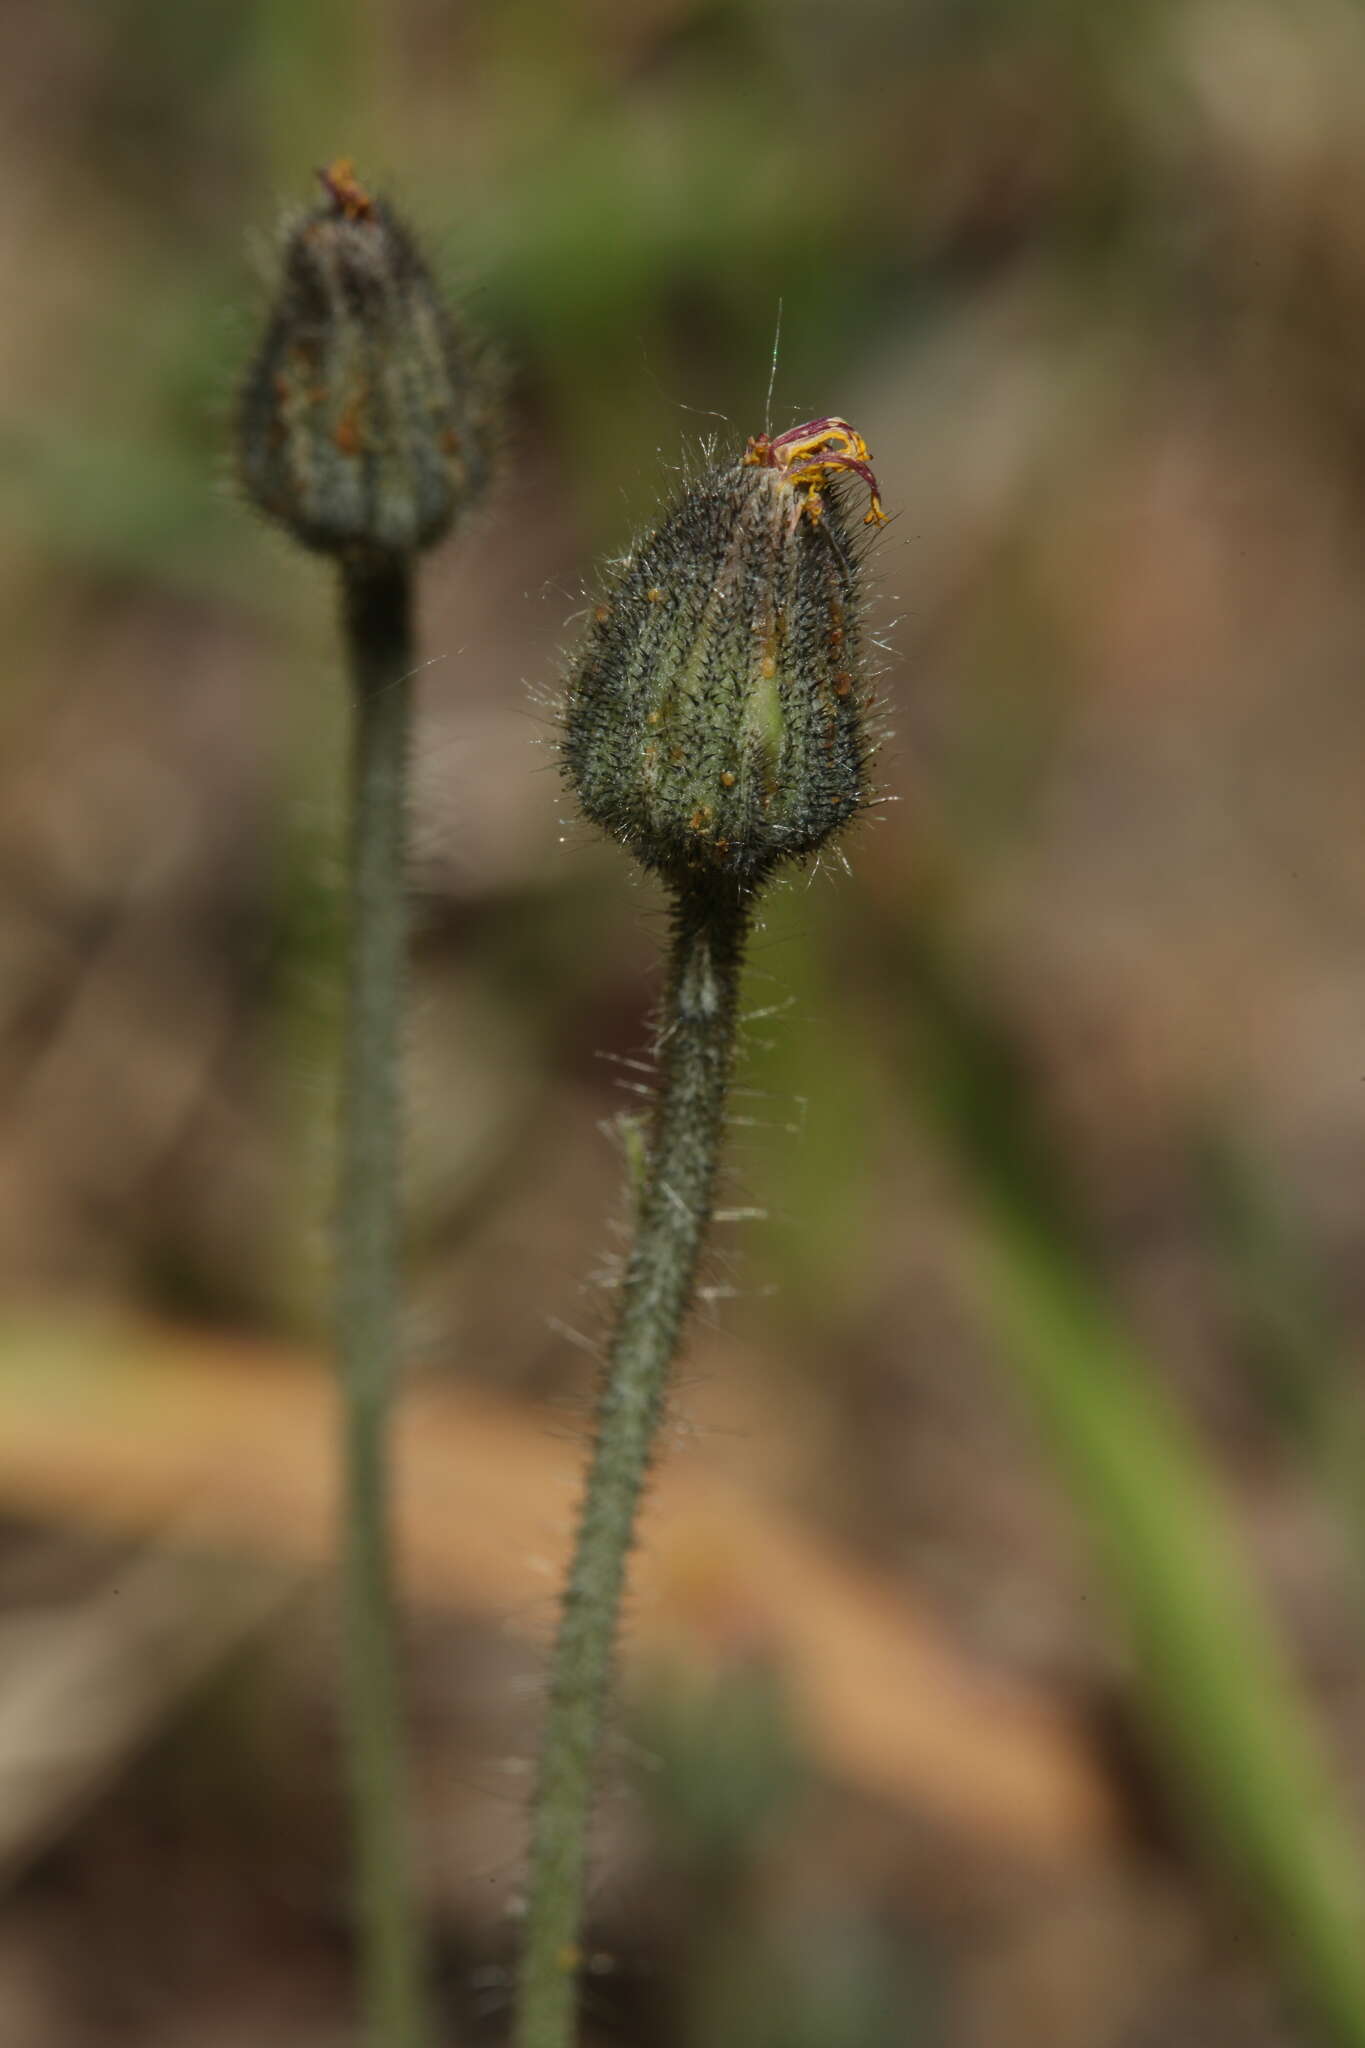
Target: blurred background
995, 1669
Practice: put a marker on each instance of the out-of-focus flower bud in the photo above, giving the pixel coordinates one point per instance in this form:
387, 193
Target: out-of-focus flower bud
366, 420
715, 719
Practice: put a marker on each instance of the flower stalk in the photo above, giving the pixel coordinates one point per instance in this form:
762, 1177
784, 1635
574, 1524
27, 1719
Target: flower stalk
377, 625
696, 1056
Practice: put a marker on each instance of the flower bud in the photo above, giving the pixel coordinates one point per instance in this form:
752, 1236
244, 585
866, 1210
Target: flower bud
715, 718
366, 418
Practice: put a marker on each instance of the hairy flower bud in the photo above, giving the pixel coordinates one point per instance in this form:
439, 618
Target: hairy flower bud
365, 419
715, 720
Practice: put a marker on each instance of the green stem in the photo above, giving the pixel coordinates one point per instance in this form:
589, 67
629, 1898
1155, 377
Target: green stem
696, 1055
377, 604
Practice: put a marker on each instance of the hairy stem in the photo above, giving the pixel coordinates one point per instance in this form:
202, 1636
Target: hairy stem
696, 1054
377, 604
